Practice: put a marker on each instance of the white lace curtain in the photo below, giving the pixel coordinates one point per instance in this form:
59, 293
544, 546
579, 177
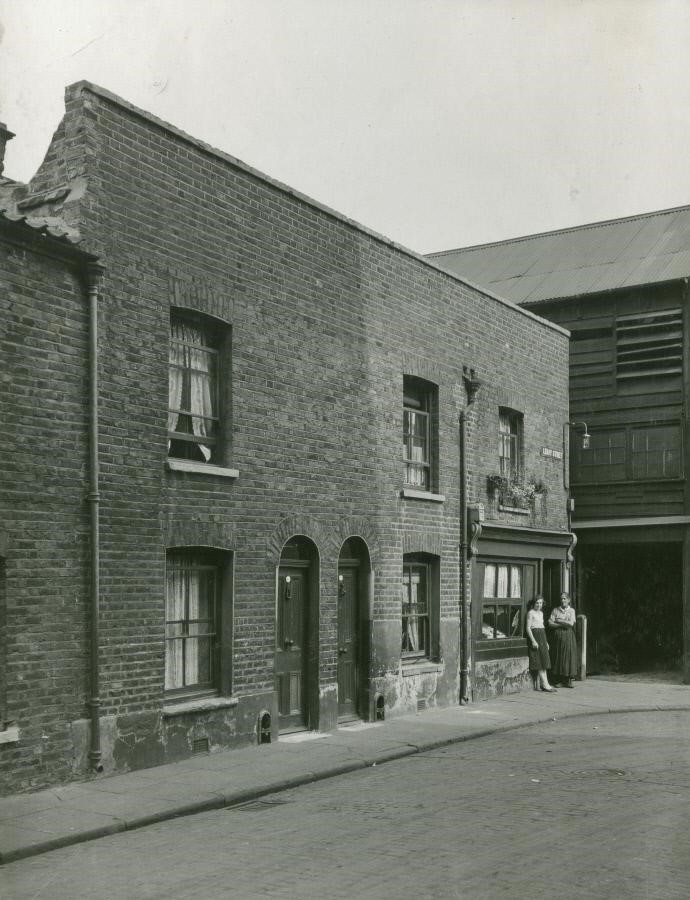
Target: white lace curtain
182, 602
411, 610
190, 387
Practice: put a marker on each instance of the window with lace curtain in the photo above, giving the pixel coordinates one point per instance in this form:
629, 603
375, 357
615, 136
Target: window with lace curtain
192, 621
420, 607
503, 602
420, 433
194, 398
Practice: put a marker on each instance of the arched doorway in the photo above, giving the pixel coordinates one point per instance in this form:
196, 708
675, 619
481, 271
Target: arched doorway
296, 635
353, 633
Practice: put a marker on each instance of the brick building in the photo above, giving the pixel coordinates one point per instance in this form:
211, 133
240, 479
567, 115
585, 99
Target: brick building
320, 481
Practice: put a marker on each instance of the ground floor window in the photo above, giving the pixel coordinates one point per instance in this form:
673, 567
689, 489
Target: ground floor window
502, 602
192, 627
415, 611
420, 591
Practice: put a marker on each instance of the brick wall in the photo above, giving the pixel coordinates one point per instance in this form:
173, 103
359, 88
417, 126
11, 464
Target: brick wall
44, 516
325, 318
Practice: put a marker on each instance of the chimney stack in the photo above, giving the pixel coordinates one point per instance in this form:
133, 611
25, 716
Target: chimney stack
5, 136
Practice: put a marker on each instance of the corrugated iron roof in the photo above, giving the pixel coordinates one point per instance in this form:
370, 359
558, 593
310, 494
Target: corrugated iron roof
619, 253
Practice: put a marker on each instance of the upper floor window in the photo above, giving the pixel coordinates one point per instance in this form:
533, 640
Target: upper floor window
510, 443
194, 398
655, 452
629, 453
419, 433
194, 582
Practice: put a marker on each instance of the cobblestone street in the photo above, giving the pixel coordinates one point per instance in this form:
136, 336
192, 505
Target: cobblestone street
591, 807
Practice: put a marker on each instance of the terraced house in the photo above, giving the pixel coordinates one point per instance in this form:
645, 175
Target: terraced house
269, 470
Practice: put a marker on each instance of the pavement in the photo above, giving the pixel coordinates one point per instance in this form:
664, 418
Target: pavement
35, 823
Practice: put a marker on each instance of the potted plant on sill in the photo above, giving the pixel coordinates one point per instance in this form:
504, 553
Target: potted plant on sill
515, 493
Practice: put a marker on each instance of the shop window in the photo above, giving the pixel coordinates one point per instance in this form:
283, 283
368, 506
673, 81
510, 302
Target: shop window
420, 437
197, 615
503, 602
195, 394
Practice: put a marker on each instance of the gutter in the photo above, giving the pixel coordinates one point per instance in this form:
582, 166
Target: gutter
94, 272
465, 622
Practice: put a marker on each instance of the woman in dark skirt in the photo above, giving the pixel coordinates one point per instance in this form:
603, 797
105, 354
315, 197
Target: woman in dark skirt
537, 645
564, 661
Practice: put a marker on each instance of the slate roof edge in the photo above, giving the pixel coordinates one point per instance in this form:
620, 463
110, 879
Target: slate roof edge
73, 90
567, 230
46, 236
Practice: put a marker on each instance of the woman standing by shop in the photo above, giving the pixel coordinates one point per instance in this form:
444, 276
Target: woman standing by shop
537, 645
562, 623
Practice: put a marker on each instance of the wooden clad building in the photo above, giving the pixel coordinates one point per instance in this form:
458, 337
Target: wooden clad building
621, 288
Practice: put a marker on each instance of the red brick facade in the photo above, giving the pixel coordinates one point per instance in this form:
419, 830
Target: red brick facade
321, 320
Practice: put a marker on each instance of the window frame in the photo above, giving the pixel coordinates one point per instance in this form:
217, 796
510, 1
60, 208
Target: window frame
420, 404
627, 465
511, 602
510, 438
424, 649
184, 441
187, 560
428, 650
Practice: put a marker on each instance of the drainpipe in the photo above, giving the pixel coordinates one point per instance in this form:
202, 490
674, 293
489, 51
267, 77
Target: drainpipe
464, 605
93, 276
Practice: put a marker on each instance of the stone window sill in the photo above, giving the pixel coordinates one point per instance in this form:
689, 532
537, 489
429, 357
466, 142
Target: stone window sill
189, 465
200, 704
9, 735
425, 667
519, 510
414, 494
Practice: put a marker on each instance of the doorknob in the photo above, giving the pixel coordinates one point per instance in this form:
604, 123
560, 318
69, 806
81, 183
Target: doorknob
342, 650
288, 643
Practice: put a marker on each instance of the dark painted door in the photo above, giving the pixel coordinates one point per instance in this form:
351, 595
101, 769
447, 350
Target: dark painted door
348, 673
291, 649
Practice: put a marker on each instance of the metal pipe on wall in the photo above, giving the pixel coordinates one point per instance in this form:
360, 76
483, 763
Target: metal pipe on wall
465, 619
94, 272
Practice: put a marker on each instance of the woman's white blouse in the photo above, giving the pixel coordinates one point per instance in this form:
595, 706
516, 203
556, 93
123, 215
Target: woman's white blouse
535, 619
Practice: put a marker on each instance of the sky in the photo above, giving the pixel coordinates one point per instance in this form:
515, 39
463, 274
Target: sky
438, 123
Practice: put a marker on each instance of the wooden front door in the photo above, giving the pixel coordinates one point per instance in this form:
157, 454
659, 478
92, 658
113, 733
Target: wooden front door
348, 656
292, 646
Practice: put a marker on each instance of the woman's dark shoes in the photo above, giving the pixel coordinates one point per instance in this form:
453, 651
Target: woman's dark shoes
569, 683
548, 690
